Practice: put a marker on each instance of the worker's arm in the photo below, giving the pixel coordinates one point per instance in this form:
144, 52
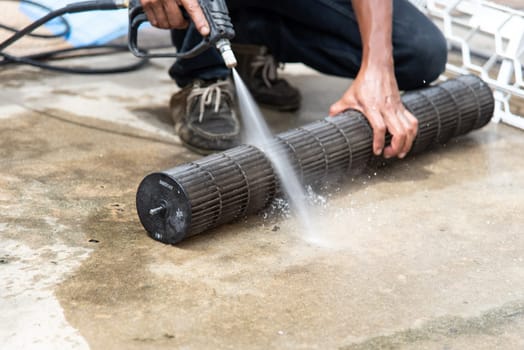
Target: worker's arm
374, 91
167, 14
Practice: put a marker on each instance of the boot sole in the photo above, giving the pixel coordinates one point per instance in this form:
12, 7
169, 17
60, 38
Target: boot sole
286, 108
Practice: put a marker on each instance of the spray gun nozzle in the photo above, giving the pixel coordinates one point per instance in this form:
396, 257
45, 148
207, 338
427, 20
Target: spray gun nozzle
224, 46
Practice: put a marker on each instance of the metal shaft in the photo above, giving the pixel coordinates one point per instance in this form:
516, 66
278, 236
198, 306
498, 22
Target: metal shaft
197, 196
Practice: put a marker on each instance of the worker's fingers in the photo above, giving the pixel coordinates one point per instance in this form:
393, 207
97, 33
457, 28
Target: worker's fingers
397, 143
379, 129
148, 5
164, 14
155, 13
161, 16
174, 15
403, 127
396, 126
195, 12
411, 128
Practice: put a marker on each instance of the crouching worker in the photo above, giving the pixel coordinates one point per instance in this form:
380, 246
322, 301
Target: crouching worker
384, 45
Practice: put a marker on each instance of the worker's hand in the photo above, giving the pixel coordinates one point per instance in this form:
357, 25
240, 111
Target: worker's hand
167, 14
375, 93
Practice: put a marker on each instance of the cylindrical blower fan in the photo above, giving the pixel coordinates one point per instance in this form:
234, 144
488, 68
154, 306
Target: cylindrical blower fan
194, 197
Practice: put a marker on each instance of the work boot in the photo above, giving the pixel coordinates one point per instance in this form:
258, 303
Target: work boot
204, 117
258, 69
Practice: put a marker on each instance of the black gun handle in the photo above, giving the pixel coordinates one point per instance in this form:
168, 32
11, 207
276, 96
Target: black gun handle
215, 12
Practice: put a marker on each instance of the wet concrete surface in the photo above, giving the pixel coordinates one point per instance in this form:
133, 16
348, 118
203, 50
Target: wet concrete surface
425, 253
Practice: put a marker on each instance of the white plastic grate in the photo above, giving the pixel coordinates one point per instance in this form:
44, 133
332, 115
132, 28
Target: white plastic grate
490, 38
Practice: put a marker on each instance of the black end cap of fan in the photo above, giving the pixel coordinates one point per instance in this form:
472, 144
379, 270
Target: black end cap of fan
164, 208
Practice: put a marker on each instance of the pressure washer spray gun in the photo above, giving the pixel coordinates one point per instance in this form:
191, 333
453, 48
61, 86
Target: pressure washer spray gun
221, 32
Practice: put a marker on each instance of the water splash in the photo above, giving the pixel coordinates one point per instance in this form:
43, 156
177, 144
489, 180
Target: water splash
258, 134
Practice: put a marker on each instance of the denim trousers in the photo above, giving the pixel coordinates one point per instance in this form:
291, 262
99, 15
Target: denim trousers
322, 34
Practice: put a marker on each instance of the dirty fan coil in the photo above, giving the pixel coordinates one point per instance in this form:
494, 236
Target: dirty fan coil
194, 197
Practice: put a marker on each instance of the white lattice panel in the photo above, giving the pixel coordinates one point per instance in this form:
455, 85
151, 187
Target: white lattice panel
490, 38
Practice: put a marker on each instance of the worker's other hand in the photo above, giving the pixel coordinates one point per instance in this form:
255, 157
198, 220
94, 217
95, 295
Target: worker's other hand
375, 93
167, 14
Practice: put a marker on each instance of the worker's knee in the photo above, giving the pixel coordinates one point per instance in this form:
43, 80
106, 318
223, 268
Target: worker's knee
425, 60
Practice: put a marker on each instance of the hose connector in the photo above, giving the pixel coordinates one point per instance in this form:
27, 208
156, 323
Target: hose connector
224, 46
121, 4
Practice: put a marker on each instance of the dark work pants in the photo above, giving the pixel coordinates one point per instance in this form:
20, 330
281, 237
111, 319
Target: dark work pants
322, 34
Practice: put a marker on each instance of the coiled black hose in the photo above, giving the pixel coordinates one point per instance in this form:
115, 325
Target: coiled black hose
38, 60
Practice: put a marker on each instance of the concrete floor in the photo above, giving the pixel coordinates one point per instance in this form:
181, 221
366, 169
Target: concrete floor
427, 253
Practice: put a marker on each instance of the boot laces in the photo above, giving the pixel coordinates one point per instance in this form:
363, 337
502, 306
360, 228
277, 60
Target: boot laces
210, 95
267, 66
